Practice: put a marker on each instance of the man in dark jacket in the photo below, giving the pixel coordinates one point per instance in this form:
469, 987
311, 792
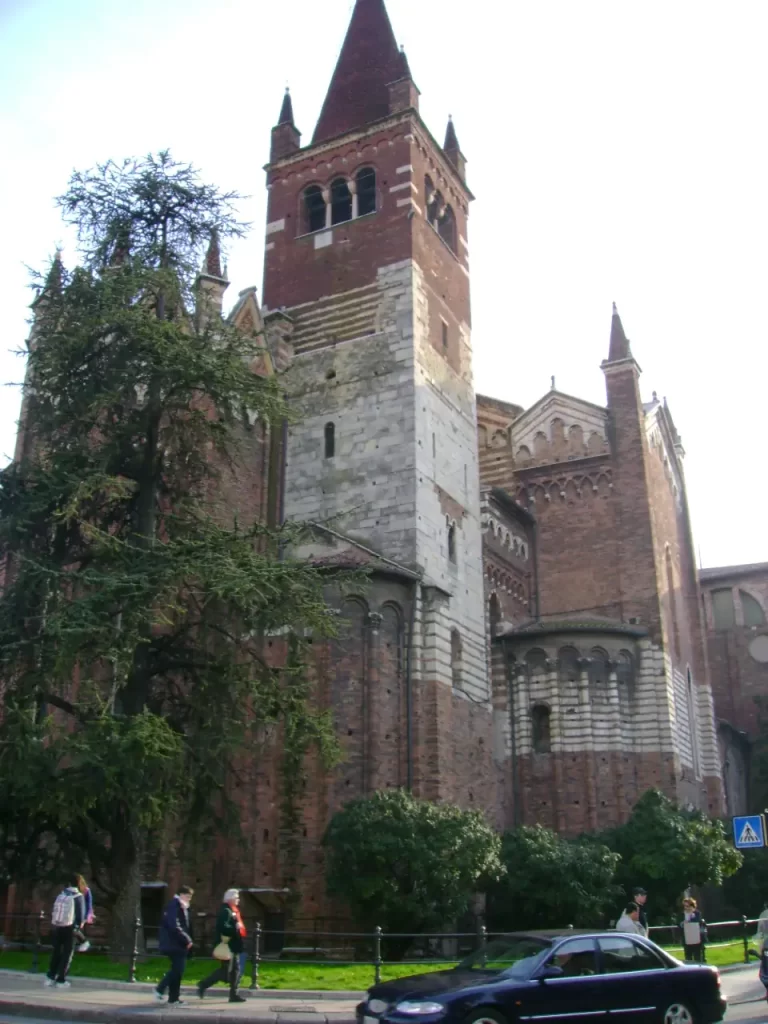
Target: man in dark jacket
175, 942
639, 896
66, 918
229, 929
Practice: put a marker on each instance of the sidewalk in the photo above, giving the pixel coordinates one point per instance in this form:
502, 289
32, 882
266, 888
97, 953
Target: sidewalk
101, 1002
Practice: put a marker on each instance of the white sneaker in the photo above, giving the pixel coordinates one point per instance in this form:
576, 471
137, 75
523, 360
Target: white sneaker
84, 947
49, 983
158, 995
179, 1002
63, 984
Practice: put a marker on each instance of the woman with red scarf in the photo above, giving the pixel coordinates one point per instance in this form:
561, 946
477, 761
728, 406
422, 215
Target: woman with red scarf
229, 929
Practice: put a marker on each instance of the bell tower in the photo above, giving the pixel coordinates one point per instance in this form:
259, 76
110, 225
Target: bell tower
366, 273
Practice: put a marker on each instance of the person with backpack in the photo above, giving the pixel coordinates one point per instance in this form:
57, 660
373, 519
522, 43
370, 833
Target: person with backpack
67, 916
175, 942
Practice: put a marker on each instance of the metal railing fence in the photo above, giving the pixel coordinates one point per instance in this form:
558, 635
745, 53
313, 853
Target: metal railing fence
332, 948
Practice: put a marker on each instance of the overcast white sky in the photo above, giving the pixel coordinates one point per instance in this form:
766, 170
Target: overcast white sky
617, 150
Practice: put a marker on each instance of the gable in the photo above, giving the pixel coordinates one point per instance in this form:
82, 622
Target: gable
559, 427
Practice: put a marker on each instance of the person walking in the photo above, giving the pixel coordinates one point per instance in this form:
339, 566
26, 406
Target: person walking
639, 896
67, 916
175, 942
694, 931
231, 931
630, 920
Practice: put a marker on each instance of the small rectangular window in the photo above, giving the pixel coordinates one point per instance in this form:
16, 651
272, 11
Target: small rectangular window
445, 335
330, 440
723, 611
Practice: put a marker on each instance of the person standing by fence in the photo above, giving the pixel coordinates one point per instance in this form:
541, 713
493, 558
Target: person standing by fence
694, 931
230, 933
175, 942
67, 916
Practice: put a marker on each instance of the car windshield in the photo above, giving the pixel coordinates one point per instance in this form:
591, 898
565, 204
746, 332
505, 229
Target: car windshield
514, 955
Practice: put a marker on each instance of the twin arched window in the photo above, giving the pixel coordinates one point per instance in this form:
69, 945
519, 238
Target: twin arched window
345, 199
440, 215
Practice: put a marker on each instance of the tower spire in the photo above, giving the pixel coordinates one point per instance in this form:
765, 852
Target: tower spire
619, 345
368, 64
212, 262
452, 149
286, 111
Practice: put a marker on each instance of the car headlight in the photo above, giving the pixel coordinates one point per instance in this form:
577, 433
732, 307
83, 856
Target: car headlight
411, 1006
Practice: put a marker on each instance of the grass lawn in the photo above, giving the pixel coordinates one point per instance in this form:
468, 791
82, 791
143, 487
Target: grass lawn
275, 975
325, 977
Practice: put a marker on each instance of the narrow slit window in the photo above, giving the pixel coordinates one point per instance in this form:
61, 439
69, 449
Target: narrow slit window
330, 440
452, 543
541, 732
444, 332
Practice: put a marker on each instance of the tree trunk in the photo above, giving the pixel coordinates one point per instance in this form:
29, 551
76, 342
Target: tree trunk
126, 880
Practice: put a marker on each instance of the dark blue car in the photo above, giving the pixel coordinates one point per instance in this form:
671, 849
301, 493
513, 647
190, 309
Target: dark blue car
562, 978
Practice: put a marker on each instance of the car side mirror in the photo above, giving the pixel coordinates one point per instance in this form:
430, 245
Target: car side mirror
551, 971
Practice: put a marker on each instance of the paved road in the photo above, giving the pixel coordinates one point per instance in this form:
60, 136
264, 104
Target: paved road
746, 997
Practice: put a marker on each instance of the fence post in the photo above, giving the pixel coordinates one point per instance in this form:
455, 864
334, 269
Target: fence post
745, 938
377, 956
135, 950
483, 941
38, 940
255, 956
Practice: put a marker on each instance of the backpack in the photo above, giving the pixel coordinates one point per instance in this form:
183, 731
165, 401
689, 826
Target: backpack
63, 913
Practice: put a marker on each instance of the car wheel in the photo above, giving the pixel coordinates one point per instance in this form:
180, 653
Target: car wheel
484, 1016
678, 1013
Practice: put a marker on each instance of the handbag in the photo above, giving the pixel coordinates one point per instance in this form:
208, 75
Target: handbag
222, 950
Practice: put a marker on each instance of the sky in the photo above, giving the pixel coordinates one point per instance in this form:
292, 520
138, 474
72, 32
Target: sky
617, 150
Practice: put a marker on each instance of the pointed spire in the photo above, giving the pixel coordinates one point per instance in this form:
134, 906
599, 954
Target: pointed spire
286, 111
619, 344
368, 63
405, 67
212, 262
452, 150
451, 142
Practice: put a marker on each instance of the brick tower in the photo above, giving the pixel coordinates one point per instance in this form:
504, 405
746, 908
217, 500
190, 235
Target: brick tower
366, 278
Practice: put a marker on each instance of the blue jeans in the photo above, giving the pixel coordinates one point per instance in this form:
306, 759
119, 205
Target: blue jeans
172, 979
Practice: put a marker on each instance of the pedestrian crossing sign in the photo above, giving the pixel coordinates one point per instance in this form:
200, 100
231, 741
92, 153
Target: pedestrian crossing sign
749, 832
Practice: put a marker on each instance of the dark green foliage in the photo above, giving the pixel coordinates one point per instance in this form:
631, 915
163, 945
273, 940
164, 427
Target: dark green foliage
407, 864
133, 618
665, 850
553, 882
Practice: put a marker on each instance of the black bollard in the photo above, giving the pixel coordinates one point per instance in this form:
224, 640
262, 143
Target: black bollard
255, 956
135, 950
377, 956
745, 938
38, 940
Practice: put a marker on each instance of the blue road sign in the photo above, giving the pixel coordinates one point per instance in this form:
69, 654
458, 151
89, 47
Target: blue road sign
749, 832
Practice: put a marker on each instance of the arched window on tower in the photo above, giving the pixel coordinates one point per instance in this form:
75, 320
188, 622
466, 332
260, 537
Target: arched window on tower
446, 228
541, 729
494, 614
365, 180
753, 612
430, 200
330, 440
456, 657
452, 543
313, 214
598, 676
341, 201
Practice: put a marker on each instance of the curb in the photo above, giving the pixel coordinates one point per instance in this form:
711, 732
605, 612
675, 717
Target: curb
110, 985
109, 1014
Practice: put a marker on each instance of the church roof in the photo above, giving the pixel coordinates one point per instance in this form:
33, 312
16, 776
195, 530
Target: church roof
368, 63
576, 624
286, 111
726, 571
